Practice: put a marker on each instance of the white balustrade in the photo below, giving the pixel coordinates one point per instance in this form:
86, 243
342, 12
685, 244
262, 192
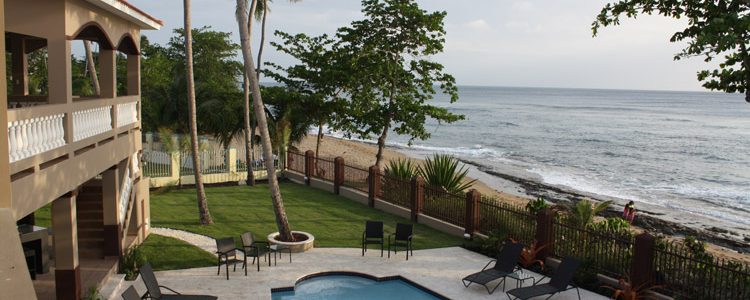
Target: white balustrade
127, 186
127, 113
33, 136
90, 122
135, 165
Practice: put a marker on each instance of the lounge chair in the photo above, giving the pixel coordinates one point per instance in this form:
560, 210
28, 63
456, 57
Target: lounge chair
505, 264
130, 294
561, 280
373, 234
154, 289
254, 248
402, 237
226, 251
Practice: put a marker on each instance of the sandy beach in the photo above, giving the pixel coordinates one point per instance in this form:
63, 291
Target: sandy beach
506, 190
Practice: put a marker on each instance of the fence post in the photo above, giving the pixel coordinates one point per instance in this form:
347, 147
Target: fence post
338, 174
309, 165
544, 232
374, 185
174, 173
417, 197
472, 211
642, 265
232, 161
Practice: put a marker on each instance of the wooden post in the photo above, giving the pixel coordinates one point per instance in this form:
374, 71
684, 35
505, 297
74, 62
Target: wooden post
338, 174
374, 184
642, 265
309, 165
472, 211
544, 232
417, 197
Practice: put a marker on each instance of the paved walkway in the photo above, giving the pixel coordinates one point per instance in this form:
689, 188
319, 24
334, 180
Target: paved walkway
201, 241
440, 270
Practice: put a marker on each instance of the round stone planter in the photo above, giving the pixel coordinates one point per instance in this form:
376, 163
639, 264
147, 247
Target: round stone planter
295, 247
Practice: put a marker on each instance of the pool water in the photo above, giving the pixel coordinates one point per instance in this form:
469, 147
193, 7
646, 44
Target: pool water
333, 287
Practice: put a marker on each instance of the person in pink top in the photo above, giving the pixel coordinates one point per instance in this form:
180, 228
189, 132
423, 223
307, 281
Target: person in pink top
629, 212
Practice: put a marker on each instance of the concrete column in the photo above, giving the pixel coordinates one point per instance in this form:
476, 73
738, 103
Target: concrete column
67, 273
373, 179
232, 161
5, 196
544, 232
59, 71
175, 172
111, 209
309, 165
16, 282
642, 265
108, 70
472, 211
134, 74
417, 197
338, 174
20, 67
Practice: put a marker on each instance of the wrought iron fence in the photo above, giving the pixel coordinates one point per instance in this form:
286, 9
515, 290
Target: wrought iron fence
444, 206
609, 253
504, 218
296, 162
395, 191
324, 169
157, 163
356, 178
684, 274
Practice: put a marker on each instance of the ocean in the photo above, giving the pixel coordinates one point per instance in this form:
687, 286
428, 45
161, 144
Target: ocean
683, 155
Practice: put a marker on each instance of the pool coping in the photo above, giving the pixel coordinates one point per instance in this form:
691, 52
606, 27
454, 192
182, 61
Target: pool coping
363, 275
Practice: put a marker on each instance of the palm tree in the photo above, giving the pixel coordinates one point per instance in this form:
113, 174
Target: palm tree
584, 211
282, 222
249, 131
205, 215
91, 68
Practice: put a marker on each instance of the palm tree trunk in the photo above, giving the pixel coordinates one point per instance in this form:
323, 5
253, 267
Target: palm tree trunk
249, 131
91, 67
282, 222
319, 139
205, 215
262, 36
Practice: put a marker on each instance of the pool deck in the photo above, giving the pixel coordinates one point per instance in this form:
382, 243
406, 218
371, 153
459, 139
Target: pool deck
440, 270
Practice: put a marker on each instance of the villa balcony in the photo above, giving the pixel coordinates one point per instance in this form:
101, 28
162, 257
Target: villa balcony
54, 148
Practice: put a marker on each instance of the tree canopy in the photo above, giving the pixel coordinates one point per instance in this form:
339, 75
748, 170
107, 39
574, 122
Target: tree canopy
716, 29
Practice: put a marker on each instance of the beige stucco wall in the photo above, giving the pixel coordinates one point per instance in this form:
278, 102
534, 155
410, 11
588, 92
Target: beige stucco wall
5, 192
15, 282
45, 18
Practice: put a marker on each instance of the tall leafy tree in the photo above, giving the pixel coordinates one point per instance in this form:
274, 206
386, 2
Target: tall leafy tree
205, 215
282, 222
391, 74
716, 29
318, 76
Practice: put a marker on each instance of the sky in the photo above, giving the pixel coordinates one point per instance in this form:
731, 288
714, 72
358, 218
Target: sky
529, 43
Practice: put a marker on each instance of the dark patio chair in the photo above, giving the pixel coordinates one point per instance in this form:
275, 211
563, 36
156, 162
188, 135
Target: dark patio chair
227, 254
402, 237
254, 248
130, 294
373, 234
505, 264
561, 280
154, 289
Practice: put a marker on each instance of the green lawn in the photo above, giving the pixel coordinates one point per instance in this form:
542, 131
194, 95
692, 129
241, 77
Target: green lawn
333, 220
166, 253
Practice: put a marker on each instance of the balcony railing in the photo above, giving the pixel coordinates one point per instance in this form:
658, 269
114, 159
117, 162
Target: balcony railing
47, 132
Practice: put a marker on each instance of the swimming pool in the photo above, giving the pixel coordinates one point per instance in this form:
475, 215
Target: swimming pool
338, 285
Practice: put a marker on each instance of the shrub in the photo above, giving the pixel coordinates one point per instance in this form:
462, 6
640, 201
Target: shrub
442, 170
131, 262
534, 206
403, 169
583, 212
612, 225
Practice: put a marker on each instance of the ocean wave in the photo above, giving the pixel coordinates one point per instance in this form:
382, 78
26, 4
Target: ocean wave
583, 184
477, 151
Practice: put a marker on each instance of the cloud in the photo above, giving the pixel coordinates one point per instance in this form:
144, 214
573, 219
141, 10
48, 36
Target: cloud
479, 24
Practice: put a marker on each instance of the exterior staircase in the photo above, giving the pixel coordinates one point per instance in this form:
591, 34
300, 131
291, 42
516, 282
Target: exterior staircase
90, 220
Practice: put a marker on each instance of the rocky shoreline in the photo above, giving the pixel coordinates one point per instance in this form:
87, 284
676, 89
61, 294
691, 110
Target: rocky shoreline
647, 220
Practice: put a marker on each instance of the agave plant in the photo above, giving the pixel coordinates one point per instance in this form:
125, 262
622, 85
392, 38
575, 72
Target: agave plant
403, 169
529, 254
443, 171
583, 212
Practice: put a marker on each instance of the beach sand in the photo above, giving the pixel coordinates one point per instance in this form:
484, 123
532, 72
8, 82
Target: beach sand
362, 154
